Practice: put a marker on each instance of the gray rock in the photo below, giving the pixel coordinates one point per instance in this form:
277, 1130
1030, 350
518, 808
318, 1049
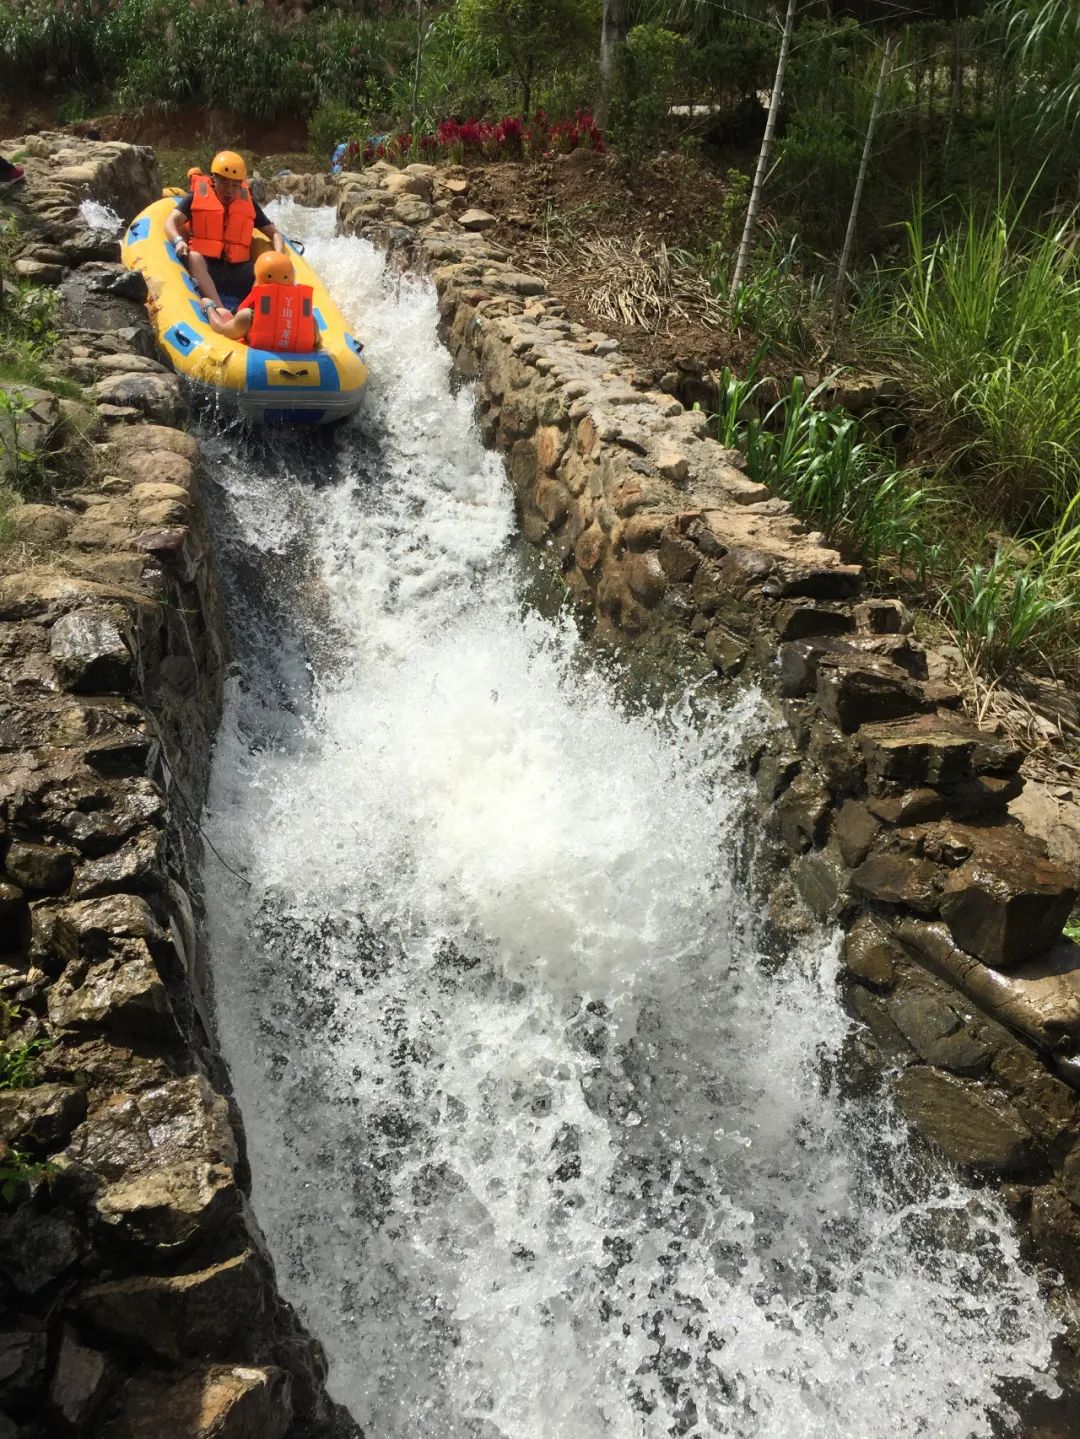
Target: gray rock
23, 1356
85, 930
136, 866
122, 994
476, 220
218, 1402
822, 878
42, 1116
162, 1163
89, 303
35, 1249
157, 397
39, 867
183, 1316
870, 953
90, 653
972, 1124
80, 1381
855, 829
26, 436
939, 1031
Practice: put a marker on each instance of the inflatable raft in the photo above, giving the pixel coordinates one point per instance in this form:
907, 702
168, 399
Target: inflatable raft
313, 389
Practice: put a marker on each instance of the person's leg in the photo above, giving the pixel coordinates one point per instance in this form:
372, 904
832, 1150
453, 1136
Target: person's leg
199, 271
235, 327
10, 173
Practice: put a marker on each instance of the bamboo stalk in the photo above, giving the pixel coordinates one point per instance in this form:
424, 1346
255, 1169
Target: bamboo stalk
746, 244
860, 183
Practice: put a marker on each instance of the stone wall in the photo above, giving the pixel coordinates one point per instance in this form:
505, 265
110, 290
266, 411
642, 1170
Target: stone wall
136, 1295
883, 808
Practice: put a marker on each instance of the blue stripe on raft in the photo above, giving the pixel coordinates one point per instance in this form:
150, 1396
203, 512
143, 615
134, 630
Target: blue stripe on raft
182, 338
354, 344
138, 230
256, 379
293, 417
319, 319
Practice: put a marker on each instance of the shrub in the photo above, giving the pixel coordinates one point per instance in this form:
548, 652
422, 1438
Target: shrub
986, 329
822, 460
647, 71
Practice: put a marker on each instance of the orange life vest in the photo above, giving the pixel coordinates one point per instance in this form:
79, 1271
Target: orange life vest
217, 232
283, 320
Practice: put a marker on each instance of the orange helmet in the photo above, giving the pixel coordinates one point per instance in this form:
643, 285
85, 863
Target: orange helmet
272, 268
194, 172
229, 165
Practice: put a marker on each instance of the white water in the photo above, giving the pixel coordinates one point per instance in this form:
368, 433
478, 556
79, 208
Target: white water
542, 1147
96, 216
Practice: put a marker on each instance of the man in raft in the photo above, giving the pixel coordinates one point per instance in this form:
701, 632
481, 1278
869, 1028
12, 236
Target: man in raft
278, 314
211, 230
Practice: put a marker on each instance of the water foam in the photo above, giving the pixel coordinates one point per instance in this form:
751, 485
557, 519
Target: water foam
96, 216
543, 1147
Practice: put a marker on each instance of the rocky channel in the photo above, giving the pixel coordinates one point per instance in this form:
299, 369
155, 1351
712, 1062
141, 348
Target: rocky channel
884, 809
137, 1295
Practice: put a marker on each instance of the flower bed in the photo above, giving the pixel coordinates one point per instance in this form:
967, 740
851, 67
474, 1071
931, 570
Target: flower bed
509, 138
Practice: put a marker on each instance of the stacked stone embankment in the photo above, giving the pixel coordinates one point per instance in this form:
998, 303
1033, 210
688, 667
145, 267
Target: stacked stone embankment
883, 807
136, 1295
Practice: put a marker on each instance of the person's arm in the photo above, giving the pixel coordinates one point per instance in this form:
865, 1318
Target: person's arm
235, 327
264, 223
176, 228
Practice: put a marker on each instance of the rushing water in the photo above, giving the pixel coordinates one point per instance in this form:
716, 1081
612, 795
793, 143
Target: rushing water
543, 1146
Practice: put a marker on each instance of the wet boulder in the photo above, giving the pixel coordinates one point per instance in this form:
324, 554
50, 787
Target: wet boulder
101, 297
42, 1116
219, 1401
91, 654
1007, 901
214, 1311
36, 1249
122, 994
973, 1124
157, 397
38, 868
160, 1164
80, 1381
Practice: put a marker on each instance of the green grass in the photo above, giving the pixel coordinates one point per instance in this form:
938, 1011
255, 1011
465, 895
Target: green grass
18, 1063
985, 328
1008, 605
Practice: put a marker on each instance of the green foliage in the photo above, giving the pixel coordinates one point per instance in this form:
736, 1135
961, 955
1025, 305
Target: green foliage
529, 37
168, 52
16, 1169
817, 160
647, 72
986, 328
821, 459
1005, 609
332, 123
18, 1063
1044, 42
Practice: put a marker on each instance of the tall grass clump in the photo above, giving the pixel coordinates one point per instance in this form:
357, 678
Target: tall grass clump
821, 459
986, 329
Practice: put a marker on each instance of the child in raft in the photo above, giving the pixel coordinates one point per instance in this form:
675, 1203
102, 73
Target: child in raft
277, 315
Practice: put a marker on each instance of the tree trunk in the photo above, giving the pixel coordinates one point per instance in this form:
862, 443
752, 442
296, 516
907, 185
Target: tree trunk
526, 96
614, 27
419, 53
747, 242
860, 182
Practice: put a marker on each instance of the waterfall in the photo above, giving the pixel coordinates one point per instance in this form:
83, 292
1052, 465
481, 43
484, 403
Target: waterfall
544, 1145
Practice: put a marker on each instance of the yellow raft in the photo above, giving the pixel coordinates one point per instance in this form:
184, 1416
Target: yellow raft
312, 389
